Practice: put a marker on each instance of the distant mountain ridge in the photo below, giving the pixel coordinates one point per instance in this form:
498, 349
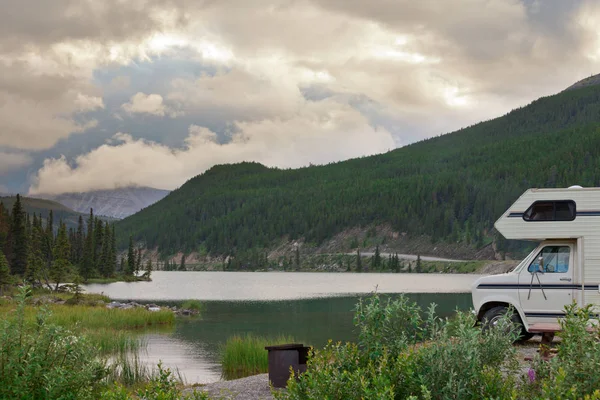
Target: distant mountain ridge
43, 207
115, 203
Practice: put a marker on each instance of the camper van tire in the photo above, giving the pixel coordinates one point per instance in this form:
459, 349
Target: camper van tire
495, 314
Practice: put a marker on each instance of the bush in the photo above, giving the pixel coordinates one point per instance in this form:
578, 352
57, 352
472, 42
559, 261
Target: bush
573, 373
43, 361
403, 355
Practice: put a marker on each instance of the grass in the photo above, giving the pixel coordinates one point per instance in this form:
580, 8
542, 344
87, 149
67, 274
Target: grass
243, 356
110, 330
193, 305
119, 278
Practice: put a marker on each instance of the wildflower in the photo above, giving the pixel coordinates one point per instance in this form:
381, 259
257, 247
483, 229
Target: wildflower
531, 374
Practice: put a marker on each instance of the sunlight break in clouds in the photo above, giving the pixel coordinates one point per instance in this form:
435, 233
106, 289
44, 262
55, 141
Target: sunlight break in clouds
322, 132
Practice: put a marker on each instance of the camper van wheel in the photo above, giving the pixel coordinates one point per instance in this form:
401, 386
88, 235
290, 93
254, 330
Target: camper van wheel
494, 315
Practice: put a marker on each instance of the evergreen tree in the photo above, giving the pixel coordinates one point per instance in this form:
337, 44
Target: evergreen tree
18, 236
148, 268
35, 259
60, 265
87, 264
105, 263
112, 257
182, 263
130, 258
418, 266
122, 266
5, 278
79, 242
48, 243
376, 261
358, 261
138, 261
98, 240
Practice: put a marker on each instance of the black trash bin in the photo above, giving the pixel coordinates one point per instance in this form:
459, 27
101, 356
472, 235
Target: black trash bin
284, 356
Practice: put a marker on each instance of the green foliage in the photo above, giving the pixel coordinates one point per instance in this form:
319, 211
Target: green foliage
61, 257
5, 278
130, 258
451, 188
407, 356
43, 361
246, 355
194, 305
394, 324
573, 373
161, 386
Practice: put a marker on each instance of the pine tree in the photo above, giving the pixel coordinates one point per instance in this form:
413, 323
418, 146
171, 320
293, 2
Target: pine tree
79, 242
87, 264
418, 266
122, 266
5, 278
105, 264
112, 258
130, 258
98, 240
60, 265
376, 262
138, 261
148, 268
18, 236
358, 261
48, 242
35, 259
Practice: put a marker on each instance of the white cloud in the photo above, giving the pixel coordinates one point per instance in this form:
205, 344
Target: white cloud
319, 132
12, 161
141, 103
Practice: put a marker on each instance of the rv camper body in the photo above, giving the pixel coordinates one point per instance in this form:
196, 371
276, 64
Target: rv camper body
565, 267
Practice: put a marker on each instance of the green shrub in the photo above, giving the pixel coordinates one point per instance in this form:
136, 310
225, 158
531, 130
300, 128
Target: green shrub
39, 360
573, 373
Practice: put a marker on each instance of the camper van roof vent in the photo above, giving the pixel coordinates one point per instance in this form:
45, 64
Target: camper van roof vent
575, 187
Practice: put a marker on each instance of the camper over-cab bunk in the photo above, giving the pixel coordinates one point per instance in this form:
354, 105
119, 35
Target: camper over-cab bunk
564, 268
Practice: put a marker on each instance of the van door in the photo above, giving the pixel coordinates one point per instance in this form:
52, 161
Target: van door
547, 286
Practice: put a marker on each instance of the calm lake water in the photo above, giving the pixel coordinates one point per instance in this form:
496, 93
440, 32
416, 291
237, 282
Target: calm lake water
311, 307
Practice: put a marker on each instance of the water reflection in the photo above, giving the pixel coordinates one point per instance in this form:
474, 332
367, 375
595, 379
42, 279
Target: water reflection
194, 346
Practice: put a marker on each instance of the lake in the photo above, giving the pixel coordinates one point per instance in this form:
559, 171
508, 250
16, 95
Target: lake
311, 307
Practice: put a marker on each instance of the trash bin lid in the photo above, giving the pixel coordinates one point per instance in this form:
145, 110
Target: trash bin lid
287, 346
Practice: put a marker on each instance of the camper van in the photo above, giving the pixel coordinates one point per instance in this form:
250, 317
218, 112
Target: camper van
564, 268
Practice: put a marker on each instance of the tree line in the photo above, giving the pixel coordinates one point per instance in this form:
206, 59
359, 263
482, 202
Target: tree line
451, 188
44, 254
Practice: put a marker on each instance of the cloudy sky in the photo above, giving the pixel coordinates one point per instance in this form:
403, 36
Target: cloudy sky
102, 93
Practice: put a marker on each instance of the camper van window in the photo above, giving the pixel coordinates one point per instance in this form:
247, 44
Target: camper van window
555, 258
563, 210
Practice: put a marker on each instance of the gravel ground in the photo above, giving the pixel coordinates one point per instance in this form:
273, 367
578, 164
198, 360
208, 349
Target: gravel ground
251, 388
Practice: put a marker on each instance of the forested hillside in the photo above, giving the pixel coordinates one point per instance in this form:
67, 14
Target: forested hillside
451, 188
43, 207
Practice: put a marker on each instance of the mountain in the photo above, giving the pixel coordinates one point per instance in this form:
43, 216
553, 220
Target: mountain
115, 203
450, 188
42, 207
